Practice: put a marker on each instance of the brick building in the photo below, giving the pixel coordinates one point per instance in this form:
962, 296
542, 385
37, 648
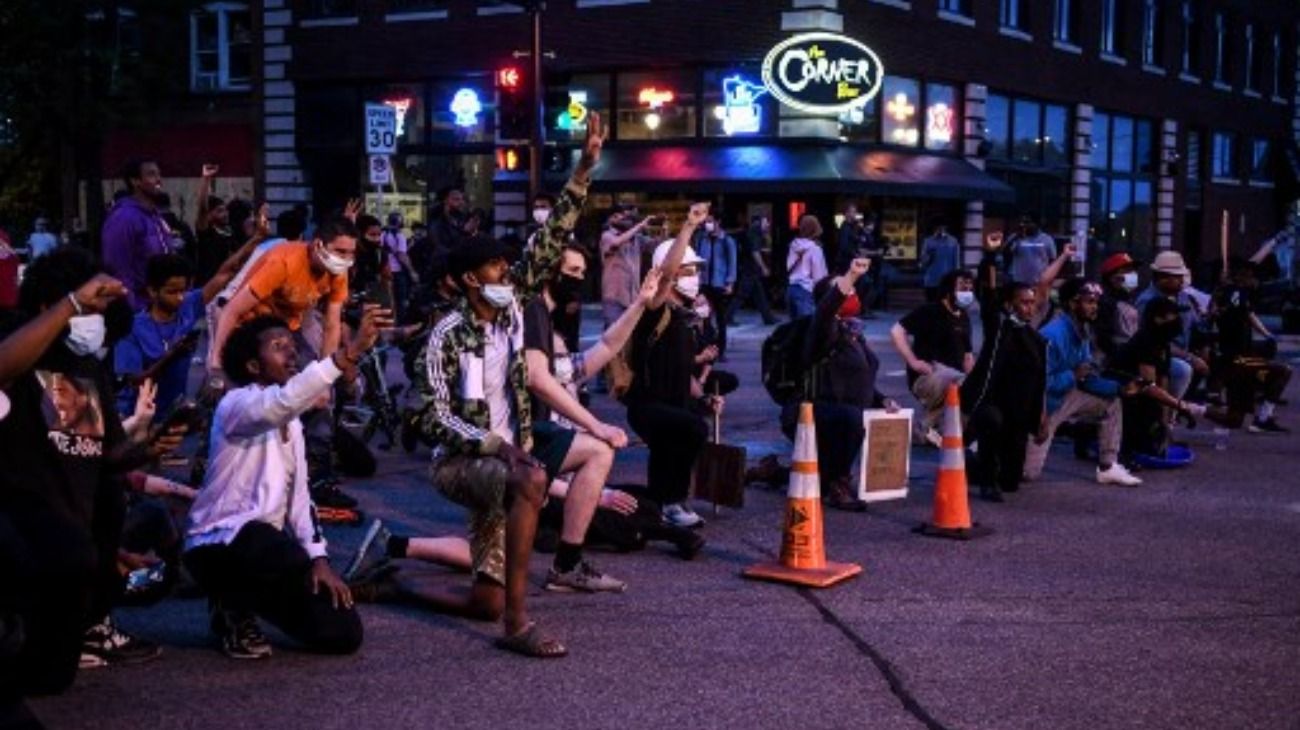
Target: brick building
1148, 123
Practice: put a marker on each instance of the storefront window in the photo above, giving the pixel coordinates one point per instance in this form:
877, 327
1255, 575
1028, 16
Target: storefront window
1121, 144
1026, 131
1101, 141
942, 118
657, 105
997, 125
1056, 130
902, 102
568, 105
736, 104
1144, 146
1123, 183
407, 100
862, 123
462, 111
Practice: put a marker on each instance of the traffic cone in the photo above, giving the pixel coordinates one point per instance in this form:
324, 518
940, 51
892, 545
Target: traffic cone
951, 506
803, 552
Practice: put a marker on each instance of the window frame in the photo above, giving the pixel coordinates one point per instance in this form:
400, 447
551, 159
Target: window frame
1231, 174
1220, 48
222, 83
1065, 23
1110, 43
1253, 61
1190, 59
1013, 15
1152, 38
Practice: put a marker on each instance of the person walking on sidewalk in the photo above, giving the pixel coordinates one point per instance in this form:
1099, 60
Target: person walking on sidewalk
718, 249
752, 271
805, 265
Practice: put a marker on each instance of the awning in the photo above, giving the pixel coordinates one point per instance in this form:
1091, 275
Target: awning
771, 169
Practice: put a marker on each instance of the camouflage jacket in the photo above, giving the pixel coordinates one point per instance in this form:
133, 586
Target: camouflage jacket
455, 412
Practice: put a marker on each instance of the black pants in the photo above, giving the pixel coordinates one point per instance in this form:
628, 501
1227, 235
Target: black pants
750, 290
1002, 445
48, 570
612, 530
839, 436
266, 572
720, 303
675, 437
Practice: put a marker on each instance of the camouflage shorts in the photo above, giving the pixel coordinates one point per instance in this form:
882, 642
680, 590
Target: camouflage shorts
478, 483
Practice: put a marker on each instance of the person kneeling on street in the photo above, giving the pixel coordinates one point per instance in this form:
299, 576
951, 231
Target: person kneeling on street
840, 371
253, 541
940, 352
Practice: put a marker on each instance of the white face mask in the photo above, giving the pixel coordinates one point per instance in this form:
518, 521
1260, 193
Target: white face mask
540, 215
1130, 281
86, 334
689, 286
965, 299
499, 295
333, 263
708, 227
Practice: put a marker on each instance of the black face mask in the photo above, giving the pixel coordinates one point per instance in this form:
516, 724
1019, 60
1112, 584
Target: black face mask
566, 289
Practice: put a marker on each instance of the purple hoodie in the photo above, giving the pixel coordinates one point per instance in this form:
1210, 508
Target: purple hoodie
132, 233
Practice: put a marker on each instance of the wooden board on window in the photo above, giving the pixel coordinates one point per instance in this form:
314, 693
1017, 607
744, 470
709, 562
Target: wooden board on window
886, 455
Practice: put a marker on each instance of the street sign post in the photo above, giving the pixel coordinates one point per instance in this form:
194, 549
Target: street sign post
381, 170
381, 129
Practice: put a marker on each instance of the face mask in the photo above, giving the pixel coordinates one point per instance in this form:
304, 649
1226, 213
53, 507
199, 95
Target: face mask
565, 289
540, 215
851, 307
499, 295
86, 334
965, 299
333, 263
708, 227
688, 286
1015, 320
1130, 281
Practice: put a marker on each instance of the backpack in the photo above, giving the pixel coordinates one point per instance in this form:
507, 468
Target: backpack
783, 372
619, 373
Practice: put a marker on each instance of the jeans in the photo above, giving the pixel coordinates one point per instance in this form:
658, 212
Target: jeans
675, 437
799, 302
1180, 377
266, 572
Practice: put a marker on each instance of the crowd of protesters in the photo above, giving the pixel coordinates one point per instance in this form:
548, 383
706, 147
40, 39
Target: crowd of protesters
96, 392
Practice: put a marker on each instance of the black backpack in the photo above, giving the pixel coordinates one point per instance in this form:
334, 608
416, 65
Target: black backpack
782, 361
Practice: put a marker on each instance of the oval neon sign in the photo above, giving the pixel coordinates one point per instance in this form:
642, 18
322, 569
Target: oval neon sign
822, 73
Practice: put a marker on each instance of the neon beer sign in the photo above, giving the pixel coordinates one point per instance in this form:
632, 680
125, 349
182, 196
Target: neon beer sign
822, 73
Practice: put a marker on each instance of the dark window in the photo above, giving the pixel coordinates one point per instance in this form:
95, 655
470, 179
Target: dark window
397, 7
1065, 26
1144, 149
330, 9
1152, 37
1111, 27
997, 125
1056, 141
1223, 163
960, 7
1191, 63
1101, 141
1192, 160
1012, 14
1254, 59
1123, 183
1277, 65
1220, 48
1259, 161
1027, 131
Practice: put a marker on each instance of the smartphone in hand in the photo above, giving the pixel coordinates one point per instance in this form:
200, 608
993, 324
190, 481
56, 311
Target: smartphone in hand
379, 293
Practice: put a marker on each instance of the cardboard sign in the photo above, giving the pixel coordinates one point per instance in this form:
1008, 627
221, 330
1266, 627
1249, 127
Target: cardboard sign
886, 455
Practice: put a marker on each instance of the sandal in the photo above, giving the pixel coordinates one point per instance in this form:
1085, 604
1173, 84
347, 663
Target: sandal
530, 642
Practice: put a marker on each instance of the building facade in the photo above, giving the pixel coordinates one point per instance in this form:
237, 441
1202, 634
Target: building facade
1138, 125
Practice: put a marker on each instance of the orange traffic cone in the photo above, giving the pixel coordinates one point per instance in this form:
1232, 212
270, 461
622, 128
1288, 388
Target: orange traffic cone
951, 507
803, 551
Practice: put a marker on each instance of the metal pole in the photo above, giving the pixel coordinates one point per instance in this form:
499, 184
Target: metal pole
537, 139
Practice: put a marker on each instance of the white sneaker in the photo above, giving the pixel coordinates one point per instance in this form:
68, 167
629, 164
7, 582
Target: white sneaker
680, 515
934, 438
1117, 475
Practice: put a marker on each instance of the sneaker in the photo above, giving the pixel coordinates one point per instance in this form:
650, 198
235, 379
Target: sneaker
326, 493
104, 645
371, 555
682, 516
583, 579
241, 637
1269, 426
1117, 475
933, 437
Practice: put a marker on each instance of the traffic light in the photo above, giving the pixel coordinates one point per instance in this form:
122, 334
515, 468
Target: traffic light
512, 159
514, 104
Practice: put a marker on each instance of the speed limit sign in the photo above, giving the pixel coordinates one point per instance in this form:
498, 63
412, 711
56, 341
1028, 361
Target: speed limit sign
381, 129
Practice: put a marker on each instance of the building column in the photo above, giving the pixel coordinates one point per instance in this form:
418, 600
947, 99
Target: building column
285, 182
1165, 187
810, 15
1080, 212
972, 238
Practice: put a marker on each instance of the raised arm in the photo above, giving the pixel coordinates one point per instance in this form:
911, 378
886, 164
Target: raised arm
233, 263
205, 192
616, 336
694, 217
20, 350
1053, 270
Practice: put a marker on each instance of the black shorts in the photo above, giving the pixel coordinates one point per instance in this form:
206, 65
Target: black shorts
551, 444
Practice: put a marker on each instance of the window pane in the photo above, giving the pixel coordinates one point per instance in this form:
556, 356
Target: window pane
568, 104
1121, 200
1140, 222
205, 32
942, 122
1056, 141
1121, 140
1027, 131
902, 100
1259, 161
1101, 141
736, 104
656, 105
1224, 164
1144, 146
1192, 160
997, 125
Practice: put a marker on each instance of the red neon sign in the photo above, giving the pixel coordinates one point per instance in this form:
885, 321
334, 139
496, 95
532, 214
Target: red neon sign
655, 98
509, 78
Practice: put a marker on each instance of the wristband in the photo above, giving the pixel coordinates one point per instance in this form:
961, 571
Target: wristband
76, 305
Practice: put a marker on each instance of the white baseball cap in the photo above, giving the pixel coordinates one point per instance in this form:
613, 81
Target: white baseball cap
661, 252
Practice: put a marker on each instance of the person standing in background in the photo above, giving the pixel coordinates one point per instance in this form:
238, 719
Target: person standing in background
805, 265
939, 254
134, 230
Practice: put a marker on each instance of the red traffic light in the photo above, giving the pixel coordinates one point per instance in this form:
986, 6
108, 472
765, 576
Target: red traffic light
510, 78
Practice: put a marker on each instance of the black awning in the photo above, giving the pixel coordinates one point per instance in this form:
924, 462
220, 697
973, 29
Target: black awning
786, 170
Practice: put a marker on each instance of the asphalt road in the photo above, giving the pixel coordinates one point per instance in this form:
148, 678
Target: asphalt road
1175, 605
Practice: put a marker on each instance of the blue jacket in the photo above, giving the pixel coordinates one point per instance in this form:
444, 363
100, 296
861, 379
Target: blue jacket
1067, 348
719, 254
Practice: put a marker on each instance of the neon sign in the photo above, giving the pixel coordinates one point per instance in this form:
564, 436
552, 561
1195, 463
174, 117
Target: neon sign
466, 106
939, 124
655, 98
901, 109
574, 117
401, 106
822, 73
740, 112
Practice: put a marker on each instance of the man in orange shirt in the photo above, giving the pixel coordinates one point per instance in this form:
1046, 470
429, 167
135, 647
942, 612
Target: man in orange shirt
290, 282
